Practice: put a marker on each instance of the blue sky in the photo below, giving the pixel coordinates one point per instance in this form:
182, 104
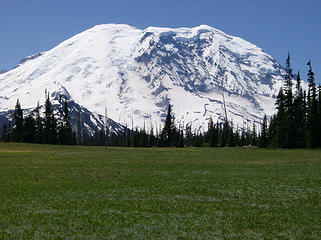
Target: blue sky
277, 26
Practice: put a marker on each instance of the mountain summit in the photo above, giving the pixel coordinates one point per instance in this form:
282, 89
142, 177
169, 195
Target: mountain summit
136, 73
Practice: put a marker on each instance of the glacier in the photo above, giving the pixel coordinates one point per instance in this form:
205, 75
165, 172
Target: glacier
135, 73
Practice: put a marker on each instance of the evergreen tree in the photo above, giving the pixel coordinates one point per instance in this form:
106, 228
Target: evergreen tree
29, 129
50, 124
264, 134
47, 121
212, 134
312, 112
180, 141
168, 132
298, 84
188, 135
114, 140
151, 138
101, 138
128, 138
280, 139
299, 113
288, 82
288, 128
271, 132
254, 136
68, 134
79, 130
312, 86
39, 126
60, 124
231, 140
237, 138
18, 123
198, 139
243, 139
123, 138
225, 134
136, 138
144, 137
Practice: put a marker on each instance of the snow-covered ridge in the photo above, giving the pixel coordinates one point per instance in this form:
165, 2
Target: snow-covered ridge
22, 61
137, 73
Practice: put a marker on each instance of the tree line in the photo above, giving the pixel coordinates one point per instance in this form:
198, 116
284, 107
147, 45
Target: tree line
297, 124
48, 129
55, 128
219, 134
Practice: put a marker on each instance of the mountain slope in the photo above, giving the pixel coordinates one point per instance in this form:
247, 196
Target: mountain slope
137, 73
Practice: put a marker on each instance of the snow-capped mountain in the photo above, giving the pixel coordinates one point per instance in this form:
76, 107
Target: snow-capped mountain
136, 73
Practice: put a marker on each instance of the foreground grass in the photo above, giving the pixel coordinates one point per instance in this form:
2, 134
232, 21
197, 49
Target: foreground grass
61, 192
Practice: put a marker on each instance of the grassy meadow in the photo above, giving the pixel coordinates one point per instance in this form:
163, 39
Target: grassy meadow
77, 192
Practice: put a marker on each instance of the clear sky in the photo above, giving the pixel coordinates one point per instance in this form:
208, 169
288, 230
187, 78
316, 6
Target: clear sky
277, 26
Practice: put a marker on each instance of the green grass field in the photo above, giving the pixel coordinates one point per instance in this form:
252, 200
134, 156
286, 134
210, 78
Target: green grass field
75, 192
